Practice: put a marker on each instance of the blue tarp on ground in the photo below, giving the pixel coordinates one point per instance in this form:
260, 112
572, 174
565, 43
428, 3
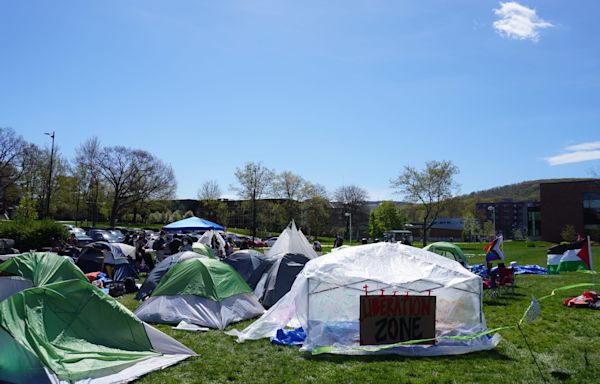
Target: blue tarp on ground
481, 270
290, 337
193, 224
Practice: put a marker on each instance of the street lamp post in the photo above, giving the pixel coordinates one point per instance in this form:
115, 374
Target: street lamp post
50, 174
349, 216
492, 209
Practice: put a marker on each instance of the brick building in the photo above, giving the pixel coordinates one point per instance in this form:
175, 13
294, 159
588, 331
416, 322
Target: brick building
511, 215
574, 203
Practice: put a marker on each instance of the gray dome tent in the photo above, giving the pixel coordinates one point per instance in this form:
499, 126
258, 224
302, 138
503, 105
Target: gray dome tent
250, 264
278, 281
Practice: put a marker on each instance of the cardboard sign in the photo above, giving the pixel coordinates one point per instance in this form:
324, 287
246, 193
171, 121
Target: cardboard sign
387, 319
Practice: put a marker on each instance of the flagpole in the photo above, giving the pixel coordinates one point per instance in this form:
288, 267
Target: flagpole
589, 244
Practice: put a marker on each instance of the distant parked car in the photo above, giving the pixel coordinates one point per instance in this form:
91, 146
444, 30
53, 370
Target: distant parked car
118, 235
270, 241
83, 239
101, 235
258, 243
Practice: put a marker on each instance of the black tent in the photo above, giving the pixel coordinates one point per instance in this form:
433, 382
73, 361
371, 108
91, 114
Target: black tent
278, 281
100, 255
250, 264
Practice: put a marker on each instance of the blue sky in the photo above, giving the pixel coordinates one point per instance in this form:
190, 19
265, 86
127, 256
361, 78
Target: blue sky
339, 92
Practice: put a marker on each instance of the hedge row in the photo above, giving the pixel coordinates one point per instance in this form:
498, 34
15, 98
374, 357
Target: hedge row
31, 235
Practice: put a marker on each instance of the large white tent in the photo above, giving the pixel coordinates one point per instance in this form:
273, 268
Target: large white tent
325, 300
292, 240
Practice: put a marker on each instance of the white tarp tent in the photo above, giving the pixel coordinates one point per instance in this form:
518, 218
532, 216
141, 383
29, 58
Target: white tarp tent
325, 300
292, 240
207, 239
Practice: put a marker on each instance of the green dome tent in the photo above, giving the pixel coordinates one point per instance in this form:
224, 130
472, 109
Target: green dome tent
205, 292
448, 250
70, 331
203, 249
35, 269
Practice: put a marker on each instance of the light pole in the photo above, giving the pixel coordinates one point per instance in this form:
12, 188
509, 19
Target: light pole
349, 216
50, 175
492, 209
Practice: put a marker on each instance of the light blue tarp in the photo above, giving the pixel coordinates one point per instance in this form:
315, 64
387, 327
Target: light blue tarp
193, 224
481, 270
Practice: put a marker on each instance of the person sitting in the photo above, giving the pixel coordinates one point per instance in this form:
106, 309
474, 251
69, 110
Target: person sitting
72, 240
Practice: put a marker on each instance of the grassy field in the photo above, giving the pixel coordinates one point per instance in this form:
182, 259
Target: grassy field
564, 340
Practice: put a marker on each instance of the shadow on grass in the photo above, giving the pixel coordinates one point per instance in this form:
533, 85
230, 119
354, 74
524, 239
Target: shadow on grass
341, 359
494, 303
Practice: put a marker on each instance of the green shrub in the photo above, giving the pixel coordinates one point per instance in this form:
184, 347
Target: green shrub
30, 235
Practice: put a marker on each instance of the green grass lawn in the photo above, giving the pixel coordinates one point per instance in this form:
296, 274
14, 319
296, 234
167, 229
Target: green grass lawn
564, 340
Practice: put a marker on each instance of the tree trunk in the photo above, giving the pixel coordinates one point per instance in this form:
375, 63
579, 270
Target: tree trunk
254, 215
114, 211
424, 233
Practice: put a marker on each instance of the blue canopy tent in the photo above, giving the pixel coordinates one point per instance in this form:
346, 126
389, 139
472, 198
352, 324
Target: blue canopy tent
193, 224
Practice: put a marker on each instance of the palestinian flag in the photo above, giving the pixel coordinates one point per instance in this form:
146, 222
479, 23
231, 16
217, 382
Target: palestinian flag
494, 250
570, 257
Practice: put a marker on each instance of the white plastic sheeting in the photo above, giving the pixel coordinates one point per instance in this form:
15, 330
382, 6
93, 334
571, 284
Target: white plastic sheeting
324, 300
292, 240
199, 310
207, 239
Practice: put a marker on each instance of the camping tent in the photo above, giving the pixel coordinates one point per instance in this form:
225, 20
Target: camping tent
250, 264
192, 224
325, 300
448, 250
213, 240
35, 269
292, 240
280, 277
205, 292
203, 249
111, 258
161, 269
70, 331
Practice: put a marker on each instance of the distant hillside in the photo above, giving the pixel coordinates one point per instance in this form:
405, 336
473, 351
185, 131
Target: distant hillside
460, 205
523, 191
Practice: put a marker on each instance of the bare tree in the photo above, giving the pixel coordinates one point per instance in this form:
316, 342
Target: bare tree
87, 164
353, 198
287, 185
431, 187
12, 148
209, 190
254, 180
134, 176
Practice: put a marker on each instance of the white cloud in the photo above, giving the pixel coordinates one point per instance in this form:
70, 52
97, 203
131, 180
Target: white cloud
519, 22
577, 153
584, 146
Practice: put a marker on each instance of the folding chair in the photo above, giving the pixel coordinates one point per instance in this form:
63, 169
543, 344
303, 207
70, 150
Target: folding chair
490, 286
506, 279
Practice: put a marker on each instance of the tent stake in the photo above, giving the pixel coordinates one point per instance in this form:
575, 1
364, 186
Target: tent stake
532, 355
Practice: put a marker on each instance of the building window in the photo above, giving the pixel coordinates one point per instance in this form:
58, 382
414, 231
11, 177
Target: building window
591, 211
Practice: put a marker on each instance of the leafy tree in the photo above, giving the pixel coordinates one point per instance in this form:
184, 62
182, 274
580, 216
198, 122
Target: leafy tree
26, 210
316, 215
188, 214
384, 218
254, 180
431, 188
472, 228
